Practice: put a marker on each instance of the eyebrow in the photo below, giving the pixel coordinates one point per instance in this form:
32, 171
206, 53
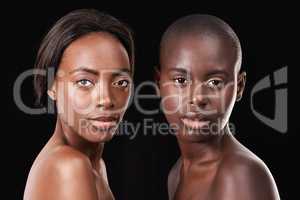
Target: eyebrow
210, 73
95, 72
178, 69
217, 71
121, 72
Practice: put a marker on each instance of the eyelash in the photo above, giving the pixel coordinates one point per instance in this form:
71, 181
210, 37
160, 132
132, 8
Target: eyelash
80, 83
117, 83
218, 85
178, 82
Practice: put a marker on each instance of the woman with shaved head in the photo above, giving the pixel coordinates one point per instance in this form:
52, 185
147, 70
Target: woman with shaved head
200, 79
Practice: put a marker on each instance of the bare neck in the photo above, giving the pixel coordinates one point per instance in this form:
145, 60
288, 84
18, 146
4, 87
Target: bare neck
64, 134
204, 151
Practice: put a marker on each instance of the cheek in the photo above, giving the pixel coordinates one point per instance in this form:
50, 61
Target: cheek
227, 100
121, 98
80, 100
72, 102
170, 103
62, 97
172, 100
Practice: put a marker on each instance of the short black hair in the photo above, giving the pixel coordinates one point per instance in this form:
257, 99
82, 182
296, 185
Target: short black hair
69, 28
204, 25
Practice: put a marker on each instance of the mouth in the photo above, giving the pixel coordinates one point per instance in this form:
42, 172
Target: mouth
104, 122
195, 121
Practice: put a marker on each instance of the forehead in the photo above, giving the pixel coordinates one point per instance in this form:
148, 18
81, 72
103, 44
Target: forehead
98, 51
198, 53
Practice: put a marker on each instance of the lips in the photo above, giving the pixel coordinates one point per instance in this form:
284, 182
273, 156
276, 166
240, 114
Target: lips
104, 122
194, 121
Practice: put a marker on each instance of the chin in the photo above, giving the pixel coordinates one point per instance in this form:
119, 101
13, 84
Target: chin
99, 136
193, 135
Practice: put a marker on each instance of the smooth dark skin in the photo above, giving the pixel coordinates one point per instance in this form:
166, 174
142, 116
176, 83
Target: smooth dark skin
70, 166
211, 166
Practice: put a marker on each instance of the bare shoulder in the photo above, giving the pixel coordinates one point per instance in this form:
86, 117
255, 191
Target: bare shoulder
67, 159
60, 175
242, 175
173, 178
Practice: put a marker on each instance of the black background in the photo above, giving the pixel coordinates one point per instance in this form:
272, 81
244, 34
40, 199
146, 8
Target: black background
138, 168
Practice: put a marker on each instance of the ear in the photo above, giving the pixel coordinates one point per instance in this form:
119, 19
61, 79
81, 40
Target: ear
157, 77
52, 91
240, 85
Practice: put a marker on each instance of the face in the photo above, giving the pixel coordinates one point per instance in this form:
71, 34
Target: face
199, 85
92, 86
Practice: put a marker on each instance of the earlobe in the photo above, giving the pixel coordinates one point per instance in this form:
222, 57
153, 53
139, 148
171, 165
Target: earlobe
156, 75
241, 85
52, 92
157, 78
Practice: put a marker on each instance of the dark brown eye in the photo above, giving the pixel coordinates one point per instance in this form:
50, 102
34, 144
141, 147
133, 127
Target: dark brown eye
121, 83
215, 83
180, 81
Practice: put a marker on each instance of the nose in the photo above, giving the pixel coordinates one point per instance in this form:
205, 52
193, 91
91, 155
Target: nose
199, 95
105, 99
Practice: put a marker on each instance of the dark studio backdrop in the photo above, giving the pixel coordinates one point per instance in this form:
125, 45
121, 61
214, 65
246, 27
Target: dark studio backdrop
137, 168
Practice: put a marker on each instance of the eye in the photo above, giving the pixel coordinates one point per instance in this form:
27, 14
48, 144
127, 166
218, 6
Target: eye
215, 83
121, 83
85, 83
180, 81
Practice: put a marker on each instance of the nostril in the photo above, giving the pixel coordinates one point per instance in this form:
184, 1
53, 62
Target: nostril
106, 103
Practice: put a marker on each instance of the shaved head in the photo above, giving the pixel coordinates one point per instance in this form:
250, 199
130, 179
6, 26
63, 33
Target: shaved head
201, 27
